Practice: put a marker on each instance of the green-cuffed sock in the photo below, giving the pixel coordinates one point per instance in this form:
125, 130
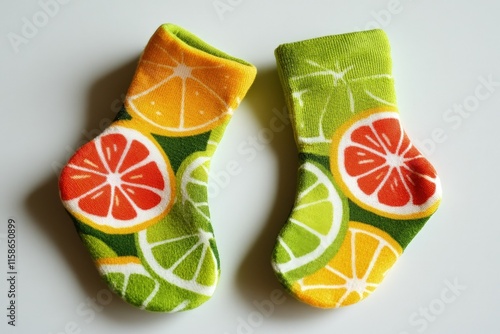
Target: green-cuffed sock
364, 191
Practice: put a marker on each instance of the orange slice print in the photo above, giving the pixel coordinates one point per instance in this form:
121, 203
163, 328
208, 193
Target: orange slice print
180, 90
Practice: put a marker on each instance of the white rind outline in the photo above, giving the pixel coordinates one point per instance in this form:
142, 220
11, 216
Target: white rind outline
203, 240
325, 240
142, 215
362, 291
184, 72
168, 274
351, 182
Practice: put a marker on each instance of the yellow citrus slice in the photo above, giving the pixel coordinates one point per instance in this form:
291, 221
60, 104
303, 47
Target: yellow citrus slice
180, 90
377, 166
361, 263
120, 182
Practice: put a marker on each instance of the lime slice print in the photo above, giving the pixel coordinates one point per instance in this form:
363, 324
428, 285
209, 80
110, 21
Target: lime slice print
131, 281
193, 187
326, 95
375, 163
315, 227
177, 252
363, 260
118, 183
180, 250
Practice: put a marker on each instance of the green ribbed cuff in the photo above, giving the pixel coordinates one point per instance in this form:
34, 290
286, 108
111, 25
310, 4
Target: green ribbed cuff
329, 79
370, 50
192, 40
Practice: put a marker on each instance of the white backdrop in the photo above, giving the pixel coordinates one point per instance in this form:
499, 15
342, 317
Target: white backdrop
62, 81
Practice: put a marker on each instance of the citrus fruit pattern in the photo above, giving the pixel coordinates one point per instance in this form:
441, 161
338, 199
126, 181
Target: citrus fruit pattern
120, 182
315, 226
180, 250
193, 188
131, 281
180, 90
360, 265
342, 102
98, 248
138, 193
319, 112
379, 168
180, 255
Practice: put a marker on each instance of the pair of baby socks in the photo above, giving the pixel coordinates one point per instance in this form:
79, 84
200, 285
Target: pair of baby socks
137, 193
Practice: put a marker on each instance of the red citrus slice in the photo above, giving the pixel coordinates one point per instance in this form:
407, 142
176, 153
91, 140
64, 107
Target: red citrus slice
376, 164
120, 182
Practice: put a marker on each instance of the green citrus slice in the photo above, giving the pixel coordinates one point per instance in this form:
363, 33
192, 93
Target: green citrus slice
127, 276
315, 227
327, 93
179, 254
180, 250
193, 191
